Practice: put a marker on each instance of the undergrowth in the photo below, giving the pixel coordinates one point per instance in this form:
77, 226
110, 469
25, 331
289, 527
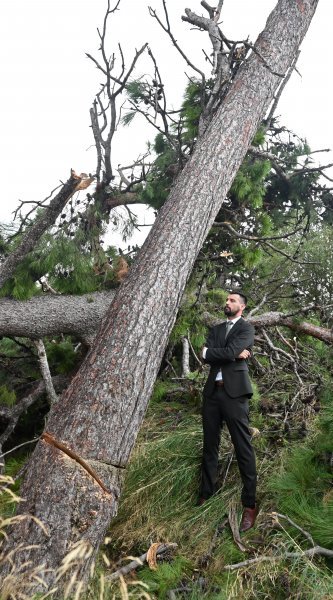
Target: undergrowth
159, 498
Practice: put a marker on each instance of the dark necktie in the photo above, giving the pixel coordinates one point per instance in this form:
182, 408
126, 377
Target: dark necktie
228, 328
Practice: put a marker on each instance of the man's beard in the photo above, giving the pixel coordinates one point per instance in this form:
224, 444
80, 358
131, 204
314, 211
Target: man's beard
229, 312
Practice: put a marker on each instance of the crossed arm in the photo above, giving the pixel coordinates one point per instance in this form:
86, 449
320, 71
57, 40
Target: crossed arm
238, 348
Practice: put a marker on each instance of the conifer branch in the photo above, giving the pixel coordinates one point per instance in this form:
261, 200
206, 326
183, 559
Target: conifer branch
41, 224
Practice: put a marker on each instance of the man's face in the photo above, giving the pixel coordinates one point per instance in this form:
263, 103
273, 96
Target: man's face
234, 306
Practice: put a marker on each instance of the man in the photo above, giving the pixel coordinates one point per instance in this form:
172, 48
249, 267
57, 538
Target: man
225, 400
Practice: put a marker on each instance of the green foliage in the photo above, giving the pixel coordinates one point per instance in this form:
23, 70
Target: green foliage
128, 117
136, 90
161, 485
259, 137
248, 185
22, 285
302, 489
167, 576
217, 296
191, 109
67, 265
160, 390
61, 356
7, 397
188, 324
161, 174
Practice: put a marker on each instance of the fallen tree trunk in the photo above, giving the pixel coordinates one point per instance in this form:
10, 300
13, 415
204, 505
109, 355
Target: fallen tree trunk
49, 315
81, 317
100, 413
273, 318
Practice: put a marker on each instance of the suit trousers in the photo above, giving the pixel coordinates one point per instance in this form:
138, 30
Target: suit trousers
219, 408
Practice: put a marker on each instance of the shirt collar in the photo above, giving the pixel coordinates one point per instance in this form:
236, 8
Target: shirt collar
233, 321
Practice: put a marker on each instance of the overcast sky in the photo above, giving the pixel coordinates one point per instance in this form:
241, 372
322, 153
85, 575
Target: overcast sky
48, 84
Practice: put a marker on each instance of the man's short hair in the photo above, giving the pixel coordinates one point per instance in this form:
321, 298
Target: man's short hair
241, 295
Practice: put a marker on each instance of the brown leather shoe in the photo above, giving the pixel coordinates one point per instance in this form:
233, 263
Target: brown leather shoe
248, 518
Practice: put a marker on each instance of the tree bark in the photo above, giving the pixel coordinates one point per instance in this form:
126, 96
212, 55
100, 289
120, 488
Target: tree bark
51, 315
100, 413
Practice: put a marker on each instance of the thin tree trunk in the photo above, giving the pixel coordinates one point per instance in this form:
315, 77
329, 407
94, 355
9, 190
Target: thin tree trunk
100, 414
45, 371
185, 357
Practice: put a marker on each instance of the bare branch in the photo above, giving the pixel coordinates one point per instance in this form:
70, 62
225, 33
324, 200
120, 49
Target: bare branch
27, 215
284, 353
137, 562
279, 92
167, 29
258, 307
130, 70
286, 555
291, 522
254, 238
19, 446
265, 241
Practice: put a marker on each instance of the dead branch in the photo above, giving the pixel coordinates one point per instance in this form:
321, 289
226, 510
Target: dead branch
200, 363
233, 522
36, 203
291, 522
258, 307
167, 29
285, 556
206, 558
18, 447
284, 353
221, 67
264, 241
285, 341
138, 562
254, 238
279, 92
103, 115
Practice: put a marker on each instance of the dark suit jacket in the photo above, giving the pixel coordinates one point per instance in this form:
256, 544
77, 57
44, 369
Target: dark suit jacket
222, 354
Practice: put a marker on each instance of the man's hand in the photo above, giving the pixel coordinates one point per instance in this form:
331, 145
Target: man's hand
244, 354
